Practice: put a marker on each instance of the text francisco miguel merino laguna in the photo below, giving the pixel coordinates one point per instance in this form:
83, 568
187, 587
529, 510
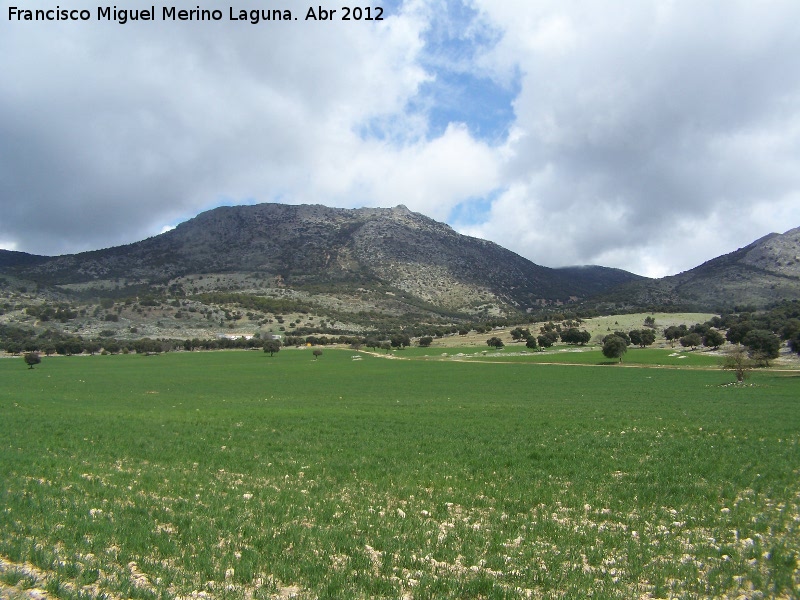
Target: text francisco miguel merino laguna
171, 13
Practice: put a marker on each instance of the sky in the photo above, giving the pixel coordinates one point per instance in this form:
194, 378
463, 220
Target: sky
648, 135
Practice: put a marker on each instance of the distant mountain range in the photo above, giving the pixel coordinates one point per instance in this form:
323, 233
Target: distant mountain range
388, 259
758, 275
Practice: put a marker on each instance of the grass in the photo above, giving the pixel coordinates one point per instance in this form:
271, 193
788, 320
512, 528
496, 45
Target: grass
574, 355
241, 475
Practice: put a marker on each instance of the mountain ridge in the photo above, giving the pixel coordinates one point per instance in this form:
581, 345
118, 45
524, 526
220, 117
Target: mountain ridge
311, 247
760, 274
396, 259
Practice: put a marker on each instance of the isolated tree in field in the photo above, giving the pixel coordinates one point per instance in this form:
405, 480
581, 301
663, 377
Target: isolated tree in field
614, 347
650, 322
317, 353
272, 346
736, 360
495, 342
642, 337
32, 358
425, 342
713, 339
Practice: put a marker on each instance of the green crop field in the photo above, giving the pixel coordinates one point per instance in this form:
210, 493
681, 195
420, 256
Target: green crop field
576, 355
237, 475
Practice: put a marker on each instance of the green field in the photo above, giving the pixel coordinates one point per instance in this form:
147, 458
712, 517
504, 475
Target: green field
576, 355
237, 475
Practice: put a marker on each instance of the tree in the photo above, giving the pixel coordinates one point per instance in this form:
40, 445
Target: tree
614, 347
790, 329
650, 322
636, 336
32, 358
272, 346
552, 335
794, 344
624, 336
531, 343
544, 341
519, 334
400, 340
92, 346
317, 353
713, 339
736, 360
112, 347
425, 342
573, 335
648, 337
762, 345
691, 340
675, 332
495, 342
737, 332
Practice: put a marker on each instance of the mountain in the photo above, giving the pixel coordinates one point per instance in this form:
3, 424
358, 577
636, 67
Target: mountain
758, 275
391, 259
10, 258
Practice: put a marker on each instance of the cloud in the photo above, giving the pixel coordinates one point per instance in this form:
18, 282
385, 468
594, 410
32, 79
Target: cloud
651, 135
110, 131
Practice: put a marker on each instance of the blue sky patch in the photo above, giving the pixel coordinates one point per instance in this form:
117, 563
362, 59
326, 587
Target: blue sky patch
473, 211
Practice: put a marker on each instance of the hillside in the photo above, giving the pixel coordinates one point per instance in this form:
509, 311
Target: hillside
758, 275
386, 259
301, 270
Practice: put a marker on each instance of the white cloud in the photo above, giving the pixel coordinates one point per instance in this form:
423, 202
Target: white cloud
650, 137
